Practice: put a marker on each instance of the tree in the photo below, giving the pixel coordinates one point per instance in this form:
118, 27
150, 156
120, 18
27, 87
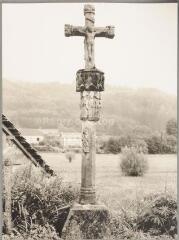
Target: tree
154, 144
171, 127
113, 145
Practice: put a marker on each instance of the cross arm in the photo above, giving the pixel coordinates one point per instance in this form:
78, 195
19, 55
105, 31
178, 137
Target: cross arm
107, 31
74, 30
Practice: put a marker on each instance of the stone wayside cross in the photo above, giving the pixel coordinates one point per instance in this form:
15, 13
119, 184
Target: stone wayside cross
90, 82
89, 32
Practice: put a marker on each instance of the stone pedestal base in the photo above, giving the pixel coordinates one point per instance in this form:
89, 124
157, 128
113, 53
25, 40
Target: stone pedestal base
86, 222
87, 196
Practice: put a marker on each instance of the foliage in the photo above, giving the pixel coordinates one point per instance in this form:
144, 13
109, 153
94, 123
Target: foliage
160, 215
133, 163
51, 140
171, 127
46, 148
49, 144
39, 200
115, 144
36, 232
140, 145
150, 218
154, 144
161, 144
139, 220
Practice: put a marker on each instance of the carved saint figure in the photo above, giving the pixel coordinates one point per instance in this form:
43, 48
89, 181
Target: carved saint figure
85, 140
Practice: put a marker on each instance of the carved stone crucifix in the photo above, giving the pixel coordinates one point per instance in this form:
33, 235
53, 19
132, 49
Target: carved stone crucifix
89, 82
89, 31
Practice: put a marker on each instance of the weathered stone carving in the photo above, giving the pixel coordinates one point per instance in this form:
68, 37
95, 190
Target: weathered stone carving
90, 83
89, 80
90, 106
89, 32
85, 140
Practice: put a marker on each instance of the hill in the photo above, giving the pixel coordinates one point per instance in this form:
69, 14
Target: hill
52, 105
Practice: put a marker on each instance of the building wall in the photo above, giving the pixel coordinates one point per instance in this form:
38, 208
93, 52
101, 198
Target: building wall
71, 140
34, 139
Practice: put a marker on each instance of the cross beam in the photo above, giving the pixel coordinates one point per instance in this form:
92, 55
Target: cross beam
89, 31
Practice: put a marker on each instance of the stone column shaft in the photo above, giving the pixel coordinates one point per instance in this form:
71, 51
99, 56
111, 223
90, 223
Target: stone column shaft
87, 195
90, 83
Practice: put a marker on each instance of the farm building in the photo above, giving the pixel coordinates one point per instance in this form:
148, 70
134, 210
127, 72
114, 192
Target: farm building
70, 140
32, 135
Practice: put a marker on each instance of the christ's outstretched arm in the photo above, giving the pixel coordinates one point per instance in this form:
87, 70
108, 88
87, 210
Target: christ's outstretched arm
74, 30
107, 32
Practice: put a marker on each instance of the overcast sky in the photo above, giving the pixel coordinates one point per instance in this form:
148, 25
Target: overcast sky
142, 54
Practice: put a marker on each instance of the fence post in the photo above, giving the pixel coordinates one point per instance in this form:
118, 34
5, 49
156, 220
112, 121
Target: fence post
7, 190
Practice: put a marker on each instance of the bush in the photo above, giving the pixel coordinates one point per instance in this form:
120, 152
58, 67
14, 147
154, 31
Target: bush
154, 144
171, 127
140, 145
113, 146
133, 163
40, 200
116, 144
162, 144
151, 218
160, 215
170, 144
36, 232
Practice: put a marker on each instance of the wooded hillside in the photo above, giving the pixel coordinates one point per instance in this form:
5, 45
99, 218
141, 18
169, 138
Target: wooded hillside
52, 105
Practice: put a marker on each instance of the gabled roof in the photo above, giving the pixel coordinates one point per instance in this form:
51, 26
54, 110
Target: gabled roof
15, 136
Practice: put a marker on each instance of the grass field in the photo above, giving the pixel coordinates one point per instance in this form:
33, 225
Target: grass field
114, 189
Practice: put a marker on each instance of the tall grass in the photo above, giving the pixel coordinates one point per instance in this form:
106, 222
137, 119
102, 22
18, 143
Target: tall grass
40, 201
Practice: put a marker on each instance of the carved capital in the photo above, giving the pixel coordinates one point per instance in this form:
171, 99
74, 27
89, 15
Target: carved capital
89, 80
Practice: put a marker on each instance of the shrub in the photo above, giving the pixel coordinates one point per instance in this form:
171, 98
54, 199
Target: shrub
162, 144
140, 145
160, 215
40, 201
171, 127
113, 146
36, 232
151, 218
170, 145
133, 163
154, 144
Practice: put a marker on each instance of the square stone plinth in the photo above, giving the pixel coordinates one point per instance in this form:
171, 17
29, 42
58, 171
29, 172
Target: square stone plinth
86, 222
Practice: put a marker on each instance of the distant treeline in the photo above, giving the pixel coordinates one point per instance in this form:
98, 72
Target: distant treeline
54, 105
153, 143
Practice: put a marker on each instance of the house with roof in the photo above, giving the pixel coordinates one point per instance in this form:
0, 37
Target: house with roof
33, 136
70, 140
15, 136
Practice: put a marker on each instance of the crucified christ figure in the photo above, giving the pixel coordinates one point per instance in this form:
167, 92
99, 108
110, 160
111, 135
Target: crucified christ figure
89, 31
